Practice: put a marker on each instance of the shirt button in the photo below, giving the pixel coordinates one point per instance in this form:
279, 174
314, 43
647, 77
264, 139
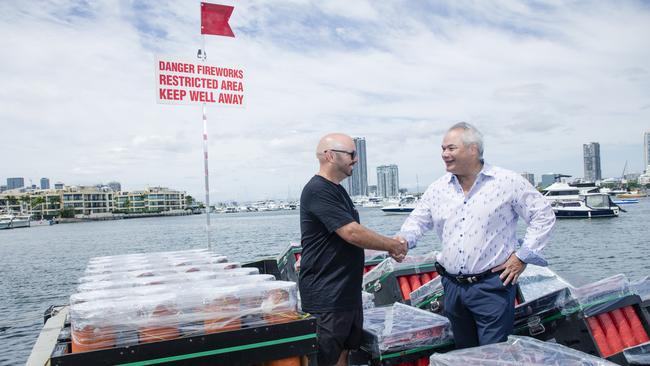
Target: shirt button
463, 219
461, 235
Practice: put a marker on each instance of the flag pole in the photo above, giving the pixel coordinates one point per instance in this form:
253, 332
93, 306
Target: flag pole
203, 56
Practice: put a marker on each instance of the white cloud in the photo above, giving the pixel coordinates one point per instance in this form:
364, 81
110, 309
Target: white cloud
77, 102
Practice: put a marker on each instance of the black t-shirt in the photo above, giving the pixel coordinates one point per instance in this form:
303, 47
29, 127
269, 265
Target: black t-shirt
331, 269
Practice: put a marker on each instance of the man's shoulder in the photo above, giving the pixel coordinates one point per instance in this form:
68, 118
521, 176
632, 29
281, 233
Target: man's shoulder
502, 173
440, 182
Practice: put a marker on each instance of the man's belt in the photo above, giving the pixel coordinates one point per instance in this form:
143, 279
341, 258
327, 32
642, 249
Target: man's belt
463, 279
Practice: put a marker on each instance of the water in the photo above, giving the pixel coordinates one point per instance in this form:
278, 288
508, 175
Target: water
40, 265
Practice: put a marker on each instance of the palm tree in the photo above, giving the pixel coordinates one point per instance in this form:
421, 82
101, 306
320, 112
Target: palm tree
37, 202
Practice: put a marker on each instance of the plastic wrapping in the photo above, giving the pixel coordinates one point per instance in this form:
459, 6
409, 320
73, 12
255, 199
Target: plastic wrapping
428, 292
144, 256
159, 271
153, 263
112, 293
166, 279
143, 260
374, 255
202, 308
536, 282
605, 290
639, 355
400, 327
368, 300
517, 351
642, 288
389, 265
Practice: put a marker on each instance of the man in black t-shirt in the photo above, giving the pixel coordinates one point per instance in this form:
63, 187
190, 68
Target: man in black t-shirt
333, 241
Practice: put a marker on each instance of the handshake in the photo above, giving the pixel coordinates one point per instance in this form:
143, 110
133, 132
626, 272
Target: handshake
398, 248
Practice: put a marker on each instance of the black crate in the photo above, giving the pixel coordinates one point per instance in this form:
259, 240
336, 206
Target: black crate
645, 310
266, 266
575, 332
541, 317
287, 264
364, 356
387, 289
236, 347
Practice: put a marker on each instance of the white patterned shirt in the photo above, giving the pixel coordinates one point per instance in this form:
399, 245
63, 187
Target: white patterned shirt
478, 231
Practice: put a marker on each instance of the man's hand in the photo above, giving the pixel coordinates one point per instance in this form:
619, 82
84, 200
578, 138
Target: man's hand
399, 249
512, 268
297, 265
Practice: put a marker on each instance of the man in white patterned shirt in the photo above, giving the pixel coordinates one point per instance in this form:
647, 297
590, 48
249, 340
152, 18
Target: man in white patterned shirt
474, 209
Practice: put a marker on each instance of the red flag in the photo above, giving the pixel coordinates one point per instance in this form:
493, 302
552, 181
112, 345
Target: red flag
214, 19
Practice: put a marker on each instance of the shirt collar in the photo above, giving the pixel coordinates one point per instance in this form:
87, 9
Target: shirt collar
487, 171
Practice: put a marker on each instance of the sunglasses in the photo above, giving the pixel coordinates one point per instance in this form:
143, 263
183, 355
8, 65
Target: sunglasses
352, 153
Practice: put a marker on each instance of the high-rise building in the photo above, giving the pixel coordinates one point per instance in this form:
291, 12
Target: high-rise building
592, 161
529, 177
547, 180
45, 183
387, 180
646, 150
13, 183
357, 183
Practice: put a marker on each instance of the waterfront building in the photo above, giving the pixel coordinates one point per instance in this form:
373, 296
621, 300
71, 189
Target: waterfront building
13, 183
3, 188
357, 183
88, 200
644, 178
58, 185
646, 150
387, 181
152, 199
529, 177
591, 153
45, 183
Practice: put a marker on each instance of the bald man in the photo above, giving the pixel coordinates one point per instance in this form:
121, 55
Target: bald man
332, 251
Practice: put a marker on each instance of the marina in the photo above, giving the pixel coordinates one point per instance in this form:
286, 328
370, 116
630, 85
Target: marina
604, 247
170, 286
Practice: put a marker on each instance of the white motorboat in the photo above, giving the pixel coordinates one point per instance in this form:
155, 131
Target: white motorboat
560, 191
405, 206
10, 221
589, 205
5, 221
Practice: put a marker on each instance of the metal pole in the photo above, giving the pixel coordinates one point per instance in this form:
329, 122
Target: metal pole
204, 56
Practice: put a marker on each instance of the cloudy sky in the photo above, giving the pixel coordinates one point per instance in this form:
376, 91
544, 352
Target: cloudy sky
77, 102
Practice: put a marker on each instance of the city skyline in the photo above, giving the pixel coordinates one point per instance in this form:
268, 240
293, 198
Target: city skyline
79, 107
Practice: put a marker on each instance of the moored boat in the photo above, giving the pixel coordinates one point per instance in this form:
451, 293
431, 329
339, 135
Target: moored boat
633, 194
11, 221
405, 206
590, 205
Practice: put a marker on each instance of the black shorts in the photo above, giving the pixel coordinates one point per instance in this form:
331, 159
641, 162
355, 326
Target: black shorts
338, 331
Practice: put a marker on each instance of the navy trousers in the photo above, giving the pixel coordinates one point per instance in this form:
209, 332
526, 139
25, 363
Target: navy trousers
480, 313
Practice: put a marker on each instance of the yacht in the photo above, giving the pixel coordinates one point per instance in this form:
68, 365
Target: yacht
560, 191
10, 221
373, 202
406, 205
588, 205
5, 221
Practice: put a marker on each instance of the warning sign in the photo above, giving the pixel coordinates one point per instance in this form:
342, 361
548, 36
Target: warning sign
179, 81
